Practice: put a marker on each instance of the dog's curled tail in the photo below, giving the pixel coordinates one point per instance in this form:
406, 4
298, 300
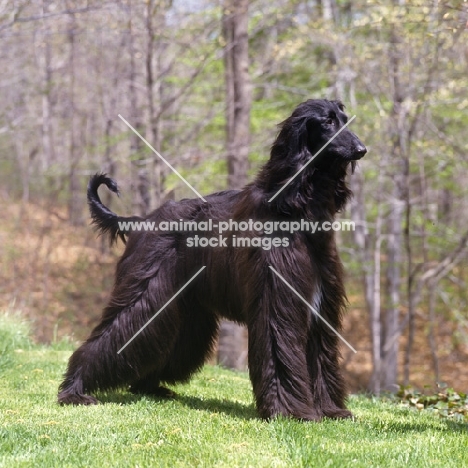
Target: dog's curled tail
104, 219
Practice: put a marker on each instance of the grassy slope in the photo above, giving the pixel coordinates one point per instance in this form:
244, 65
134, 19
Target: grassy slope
211, 423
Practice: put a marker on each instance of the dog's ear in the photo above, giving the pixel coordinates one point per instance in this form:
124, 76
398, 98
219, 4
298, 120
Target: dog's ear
340, 105
302, 152
292, 143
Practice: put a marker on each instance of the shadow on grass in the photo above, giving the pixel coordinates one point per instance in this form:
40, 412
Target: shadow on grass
457, 426
213, 405
231, 408
121, 398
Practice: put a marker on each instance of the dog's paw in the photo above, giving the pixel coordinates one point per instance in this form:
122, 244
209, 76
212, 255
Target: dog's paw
155, 391
65, 398
339, 413
163, 392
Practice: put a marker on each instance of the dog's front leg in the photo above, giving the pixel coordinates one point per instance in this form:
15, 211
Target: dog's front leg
277, 323
327, 383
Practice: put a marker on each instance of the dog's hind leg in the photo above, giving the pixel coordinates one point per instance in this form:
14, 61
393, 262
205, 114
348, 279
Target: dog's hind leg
150, 385
101, 364
195, 342
108, 359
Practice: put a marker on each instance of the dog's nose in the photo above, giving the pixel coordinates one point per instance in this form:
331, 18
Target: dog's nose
360, 151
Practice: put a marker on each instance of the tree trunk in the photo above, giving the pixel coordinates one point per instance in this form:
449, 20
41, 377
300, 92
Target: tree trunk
155, 20
74, 202
369, 253
238, 90
233, 338
47, 141
141, 199
391, 329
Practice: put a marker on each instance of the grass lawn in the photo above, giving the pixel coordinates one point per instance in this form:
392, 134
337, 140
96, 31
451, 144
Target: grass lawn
212, 423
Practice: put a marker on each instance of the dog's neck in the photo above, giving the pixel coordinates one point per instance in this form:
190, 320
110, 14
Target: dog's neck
314, 194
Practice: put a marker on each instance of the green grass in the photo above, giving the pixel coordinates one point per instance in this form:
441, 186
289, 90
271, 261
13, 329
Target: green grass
212, 423
14, 333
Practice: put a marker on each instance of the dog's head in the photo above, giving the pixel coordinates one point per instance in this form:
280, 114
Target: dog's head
314, 148
317, 130
325, 122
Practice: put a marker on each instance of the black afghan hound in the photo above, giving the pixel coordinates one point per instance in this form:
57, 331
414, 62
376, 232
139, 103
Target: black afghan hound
293, 356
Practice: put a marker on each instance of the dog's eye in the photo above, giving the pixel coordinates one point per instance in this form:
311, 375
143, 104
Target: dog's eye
330, 121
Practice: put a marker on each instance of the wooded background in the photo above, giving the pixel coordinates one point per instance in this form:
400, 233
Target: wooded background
206, 83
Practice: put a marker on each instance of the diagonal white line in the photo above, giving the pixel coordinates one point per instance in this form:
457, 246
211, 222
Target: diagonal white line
312, 308
168, 164
161, 309
312, 158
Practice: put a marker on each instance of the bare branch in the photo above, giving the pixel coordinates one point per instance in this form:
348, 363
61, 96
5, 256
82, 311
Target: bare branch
17, 19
